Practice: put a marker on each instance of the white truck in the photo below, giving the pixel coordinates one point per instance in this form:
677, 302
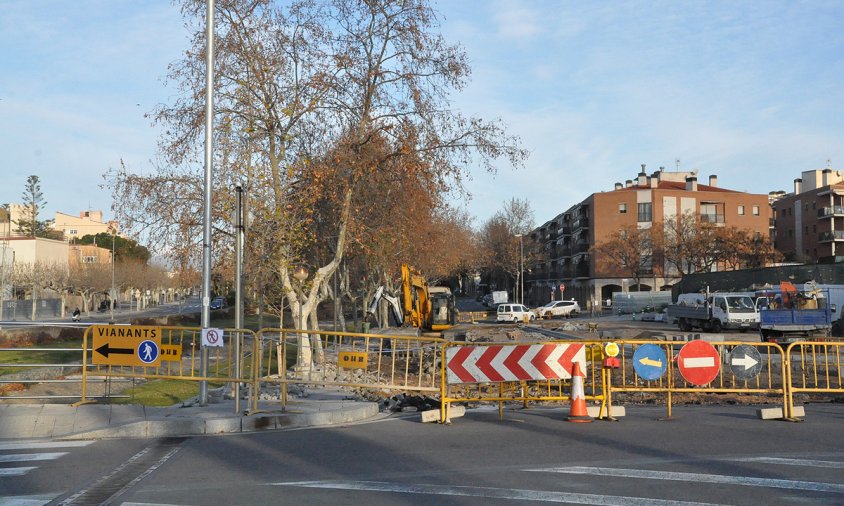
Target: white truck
715, 312
495, 298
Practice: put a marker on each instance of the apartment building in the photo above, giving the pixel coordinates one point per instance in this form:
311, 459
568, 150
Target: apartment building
568, 269
809, 222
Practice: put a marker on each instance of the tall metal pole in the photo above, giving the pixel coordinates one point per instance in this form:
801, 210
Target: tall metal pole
112, 277
238, 286
209, 160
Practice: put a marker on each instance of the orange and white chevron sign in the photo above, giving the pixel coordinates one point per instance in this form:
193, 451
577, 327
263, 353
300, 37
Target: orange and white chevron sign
497, 363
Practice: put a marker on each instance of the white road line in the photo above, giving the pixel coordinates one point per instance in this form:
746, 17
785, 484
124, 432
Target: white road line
37, 445
15, 471
27, 500
26, 457
793, 462
749, 481
494, 493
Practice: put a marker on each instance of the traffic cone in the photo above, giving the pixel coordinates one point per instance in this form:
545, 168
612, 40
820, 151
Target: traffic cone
578, 412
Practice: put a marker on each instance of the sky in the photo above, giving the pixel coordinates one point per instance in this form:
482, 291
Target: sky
749, 91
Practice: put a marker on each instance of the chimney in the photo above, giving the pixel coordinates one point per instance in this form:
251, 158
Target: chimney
713, 180
643, 177
825, 177
618, 186
691, 183
654, 180
798, 186
628, 183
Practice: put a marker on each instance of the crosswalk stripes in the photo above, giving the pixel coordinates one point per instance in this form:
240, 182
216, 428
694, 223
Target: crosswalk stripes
23, 452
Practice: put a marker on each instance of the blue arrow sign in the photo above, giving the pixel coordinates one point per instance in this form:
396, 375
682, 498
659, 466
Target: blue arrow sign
649, 362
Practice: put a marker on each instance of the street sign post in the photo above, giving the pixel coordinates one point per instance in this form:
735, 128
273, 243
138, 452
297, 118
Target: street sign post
649, 362
699, 362
135, 345
745, 362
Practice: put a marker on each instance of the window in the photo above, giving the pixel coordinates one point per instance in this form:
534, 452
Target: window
622, 208
741, 210
72, 231
645, 212
89, 260
755, 210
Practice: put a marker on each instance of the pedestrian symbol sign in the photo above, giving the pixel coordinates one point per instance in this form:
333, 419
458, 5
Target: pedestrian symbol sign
129, 345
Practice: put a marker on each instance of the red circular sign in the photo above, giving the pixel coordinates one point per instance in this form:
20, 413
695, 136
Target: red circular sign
699, 362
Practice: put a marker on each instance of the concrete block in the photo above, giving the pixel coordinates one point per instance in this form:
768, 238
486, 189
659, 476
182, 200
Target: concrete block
433, 415
225, 425
776, 413
615, 411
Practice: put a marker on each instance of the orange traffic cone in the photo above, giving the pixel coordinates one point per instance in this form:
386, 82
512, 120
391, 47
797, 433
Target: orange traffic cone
578, 412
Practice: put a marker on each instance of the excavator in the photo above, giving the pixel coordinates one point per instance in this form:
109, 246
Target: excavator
429, 308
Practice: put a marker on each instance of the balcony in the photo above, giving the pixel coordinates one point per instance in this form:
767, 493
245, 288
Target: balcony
712, 218
580, 223
829, 212
833, 236
581, 270
581, 247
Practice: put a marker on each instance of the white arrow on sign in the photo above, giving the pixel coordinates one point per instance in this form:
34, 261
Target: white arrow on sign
747, 361
693, 362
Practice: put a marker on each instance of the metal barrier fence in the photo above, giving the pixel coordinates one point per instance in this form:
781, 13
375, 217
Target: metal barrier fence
473, 316
646, 367
524, 392
179, 349
642, 370
814, 367
400, 363
59, 367
373, 361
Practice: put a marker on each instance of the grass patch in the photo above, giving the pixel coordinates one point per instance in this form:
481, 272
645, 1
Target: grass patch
162, 393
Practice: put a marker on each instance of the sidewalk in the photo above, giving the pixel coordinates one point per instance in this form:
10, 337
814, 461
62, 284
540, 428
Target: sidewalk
98, 421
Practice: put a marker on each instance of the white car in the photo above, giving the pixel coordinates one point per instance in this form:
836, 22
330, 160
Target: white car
514, 313
563, 308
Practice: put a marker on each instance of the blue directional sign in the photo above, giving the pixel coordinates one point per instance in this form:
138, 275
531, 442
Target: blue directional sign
649, 362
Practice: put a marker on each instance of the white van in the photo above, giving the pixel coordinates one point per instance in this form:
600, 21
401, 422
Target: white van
514, 313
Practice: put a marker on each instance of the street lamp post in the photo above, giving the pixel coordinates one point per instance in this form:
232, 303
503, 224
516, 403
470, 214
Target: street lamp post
521, 287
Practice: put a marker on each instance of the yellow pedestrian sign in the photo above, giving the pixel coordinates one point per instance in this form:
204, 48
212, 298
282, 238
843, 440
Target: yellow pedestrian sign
135, 345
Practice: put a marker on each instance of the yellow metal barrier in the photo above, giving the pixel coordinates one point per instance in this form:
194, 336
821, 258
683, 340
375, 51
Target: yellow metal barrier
526, 392
813, 367
118, 351
387, 363
473, 316
770, 379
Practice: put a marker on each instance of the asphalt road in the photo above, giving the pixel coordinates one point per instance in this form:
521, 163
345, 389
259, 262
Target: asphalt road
705, 455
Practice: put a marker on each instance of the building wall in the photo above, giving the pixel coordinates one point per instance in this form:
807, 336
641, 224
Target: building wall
87, 223
88, 253
810, 223
38, 249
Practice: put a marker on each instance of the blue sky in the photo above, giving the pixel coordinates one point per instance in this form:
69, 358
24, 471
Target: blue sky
750, 91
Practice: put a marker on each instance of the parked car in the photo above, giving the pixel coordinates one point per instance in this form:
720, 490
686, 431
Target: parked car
514, 313
555, 308
217, 303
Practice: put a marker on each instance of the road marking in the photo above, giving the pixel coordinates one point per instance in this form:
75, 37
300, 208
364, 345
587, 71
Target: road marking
16, 471
494, 493
27, 500
793, 462
36, 445
25, 457
749, 481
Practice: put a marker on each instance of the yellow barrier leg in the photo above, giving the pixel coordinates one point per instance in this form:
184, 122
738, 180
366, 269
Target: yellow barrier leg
84, 399
500, 401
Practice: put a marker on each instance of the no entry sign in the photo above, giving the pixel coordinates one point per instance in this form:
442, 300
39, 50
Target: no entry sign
699, 362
